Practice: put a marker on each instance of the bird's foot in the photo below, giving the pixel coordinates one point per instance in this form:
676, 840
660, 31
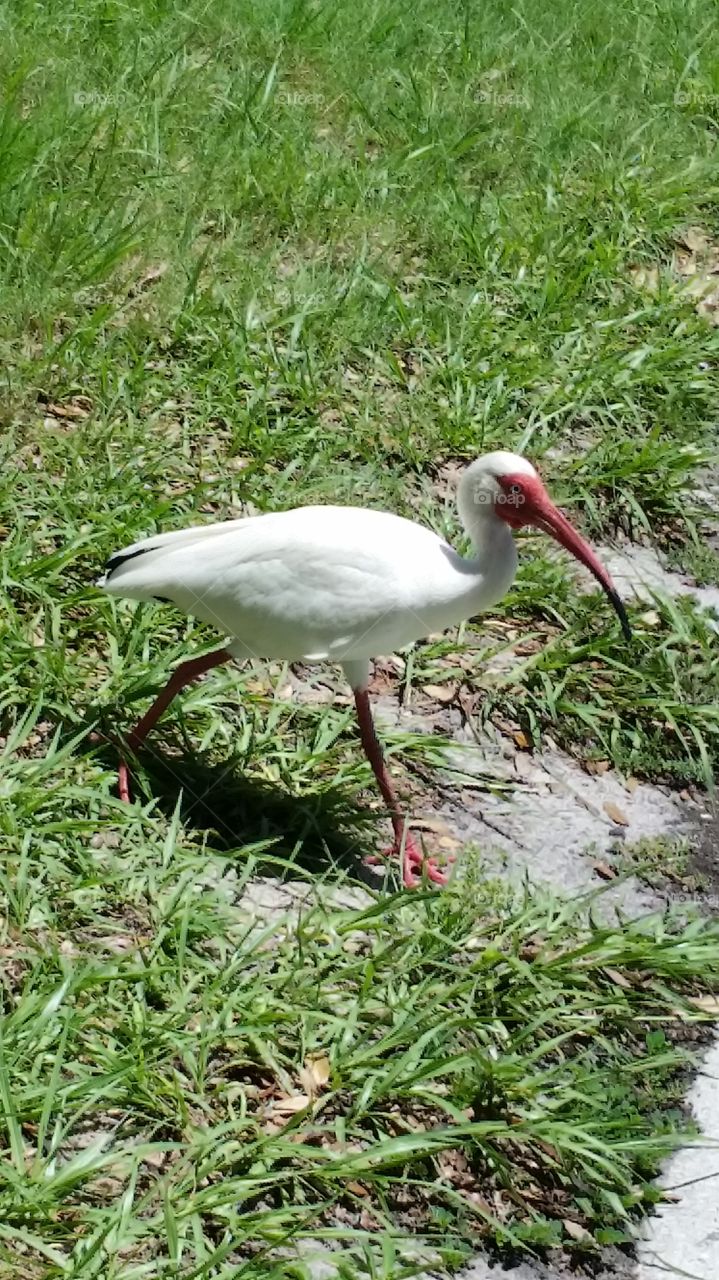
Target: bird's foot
412, 860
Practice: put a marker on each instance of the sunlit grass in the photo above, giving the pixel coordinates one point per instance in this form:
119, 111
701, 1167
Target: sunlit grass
251, 258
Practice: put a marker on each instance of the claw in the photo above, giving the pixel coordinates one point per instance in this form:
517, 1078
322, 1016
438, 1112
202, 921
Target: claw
413, 857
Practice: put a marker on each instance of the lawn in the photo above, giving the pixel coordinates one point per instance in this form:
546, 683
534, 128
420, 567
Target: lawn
255, 256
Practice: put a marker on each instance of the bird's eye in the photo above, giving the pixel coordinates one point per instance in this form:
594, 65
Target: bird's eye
515, 488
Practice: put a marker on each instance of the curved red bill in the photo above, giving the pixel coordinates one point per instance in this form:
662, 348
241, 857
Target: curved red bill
551, 520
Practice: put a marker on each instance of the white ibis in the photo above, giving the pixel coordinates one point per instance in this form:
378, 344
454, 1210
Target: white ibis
343, 584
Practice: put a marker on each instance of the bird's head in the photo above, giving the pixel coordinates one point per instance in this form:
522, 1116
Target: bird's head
511, 486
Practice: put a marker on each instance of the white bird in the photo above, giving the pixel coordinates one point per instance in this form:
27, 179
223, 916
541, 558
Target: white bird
344, 584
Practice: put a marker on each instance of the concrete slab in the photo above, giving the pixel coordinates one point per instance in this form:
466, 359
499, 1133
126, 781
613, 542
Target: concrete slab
639, 572
682, 1239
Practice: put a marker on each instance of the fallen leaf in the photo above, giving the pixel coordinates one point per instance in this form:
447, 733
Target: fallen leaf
507, 727
631, 785
356, 1189
290, 1105
597, 767
549, 1149
521, 740
454, 1168
368, 1222
319, 1065
604, 871
615, 813
479, 1203
707, 1004
77, 408
443, 693
645, 277
527, 648
577, 1232
315, 1073
618, 978
257, 686
650, 618
694, 239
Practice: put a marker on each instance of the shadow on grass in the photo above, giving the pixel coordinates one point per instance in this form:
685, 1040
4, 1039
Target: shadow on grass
315, 833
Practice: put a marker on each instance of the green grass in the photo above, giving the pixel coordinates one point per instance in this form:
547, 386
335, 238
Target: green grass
154, 1032
288, 253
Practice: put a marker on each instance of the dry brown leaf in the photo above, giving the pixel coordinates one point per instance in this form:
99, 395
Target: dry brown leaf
443, 693
616, 814
597, 767
549, 1149
604, 871
526, 648
479, 1203
315, 1074
631, 785
521, 740
505, 726
257, 686
645, 277
454, 1168
319, 1065
289, 1105
694, 239
577, 1231
618, 978
77, 408
650, 618
707, 1004
356, 1189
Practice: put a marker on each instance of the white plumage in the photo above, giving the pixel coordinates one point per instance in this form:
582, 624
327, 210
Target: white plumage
338, 583
344, 584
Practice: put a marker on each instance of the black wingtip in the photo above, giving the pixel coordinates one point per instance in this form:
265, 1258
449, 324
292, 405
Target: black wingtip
121, 556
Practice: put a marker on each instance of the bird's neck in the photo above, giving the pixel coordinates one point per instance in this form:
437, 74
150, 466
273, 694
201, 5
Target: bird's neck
495, 552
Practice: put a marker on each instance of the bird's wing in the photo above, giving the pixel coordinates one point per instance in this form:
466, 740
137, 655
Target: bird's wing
313, 582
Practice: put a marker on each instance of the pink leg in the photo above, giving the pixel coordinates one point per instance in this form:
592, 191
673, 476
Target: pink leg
185, 673
405, 845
